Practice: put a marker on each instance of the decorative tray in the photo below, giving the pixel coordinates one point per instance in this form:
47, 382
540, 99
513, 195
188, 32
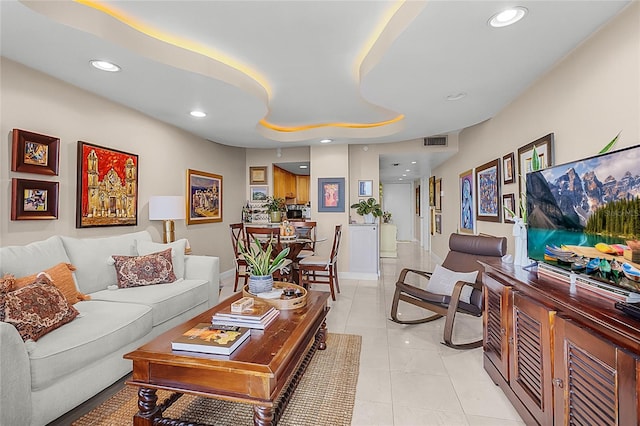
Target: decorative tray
282, 304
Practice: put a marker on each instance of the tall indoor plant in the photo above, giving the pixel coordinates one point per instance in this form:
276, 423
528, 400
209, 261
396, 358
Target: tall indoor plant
275, 206
369, 209
262, 264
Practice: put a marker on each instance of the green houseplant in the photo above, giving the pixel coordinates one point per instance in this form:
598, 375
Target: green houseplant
262, 264
369, 209
275, 206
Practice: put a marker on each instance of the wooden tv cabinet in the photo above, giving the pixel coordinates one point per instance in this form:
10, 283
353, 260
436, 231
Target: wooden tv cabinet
561, 357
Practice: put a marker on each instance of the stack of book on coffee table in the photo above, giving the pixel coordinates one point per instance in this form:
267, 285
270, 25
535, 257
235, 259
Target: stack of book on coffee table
258, 316
210, 339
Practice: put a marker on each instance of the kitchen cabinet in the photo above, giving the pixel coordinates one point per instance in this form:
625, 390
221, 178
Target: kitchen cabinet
560, 356
302, 189
364, 256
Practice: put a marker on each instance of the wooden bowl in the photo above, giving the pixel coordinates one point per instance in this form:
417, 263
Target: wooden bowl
282, 304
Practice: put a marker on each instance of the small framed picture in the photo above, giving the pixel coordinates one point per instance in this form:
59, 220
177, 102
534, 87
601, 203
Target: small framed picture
488, 199
331, 195
257, 175
365, 188
508, 175
259, 193
438, 195
33, 199
34, 153
509, 202
438, 223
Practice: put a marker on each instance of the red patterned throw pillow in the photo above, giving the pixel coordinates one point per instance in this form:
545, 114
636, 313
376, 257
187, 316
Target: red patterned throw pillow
36, 309
136, 271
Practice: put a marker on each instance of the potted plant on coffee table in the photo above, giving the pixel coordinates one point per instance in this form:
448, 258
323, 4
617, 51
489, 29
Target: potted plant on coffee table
369, 209
262, 264
275, 206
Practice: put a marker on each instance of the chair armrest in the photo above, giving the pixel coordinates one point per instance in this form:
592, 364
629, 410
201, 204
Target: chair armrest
204, 268
15, 378
455, 296
405, 271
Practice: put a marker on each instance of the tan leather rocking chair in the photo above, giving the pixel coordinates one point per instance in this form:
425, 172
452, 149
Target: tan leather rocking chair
452, 295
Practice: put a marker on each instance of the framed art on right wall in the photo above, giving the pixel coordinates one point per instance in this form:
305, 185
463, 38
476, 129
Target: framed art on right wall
488, 202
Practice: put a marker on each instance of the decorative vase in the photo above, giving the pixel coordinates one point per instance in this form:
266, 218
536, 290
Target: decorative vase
369, 218
275, 217
260, 283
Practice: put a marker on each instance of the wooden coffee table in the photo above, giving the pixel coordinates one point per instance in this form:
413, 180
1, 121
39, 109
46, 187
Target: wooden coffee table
265, 367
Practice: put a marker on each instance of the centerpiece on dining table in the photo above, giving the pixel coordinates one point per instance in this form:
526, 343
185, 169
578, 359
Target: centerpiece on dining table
262, 263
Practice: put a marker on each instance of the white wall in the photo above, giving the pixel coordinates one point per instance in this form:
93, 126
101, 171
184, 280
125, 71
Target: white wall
399, 201
35, 102
585, 101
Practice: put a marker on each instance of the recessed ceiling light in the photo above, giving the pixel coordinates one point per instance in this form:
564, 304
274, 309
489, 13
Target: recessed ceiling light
303, 166
326, 140
399, 178
404, 175
413, 162
104, 65
407, 170
508, 17
198, 114
456, 97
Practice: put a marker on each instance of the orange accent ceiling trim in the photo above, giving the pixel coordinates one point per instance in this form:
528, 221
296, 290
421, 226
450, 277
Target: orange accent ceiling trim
275, 127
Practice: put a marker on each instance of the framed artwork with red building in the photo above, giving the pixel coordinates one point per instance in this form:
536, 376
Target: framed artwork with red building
107, 191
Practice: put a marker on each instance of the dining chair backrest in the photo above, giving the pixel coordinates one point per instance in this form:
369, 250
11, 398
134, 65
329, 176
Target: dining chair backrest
263, 234
306, 230
237, 234
336, 244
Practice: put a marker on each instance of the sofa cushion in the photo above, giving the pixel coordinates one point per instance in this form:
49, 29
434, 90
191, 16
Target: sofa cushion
32, 258
101, 329
177, 255
166, 300
136, 271
36, 309
91, 256
62, 277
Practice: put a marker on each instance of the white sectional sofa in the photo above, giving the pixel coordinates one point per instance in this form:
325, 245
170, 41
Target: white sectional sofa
40, 381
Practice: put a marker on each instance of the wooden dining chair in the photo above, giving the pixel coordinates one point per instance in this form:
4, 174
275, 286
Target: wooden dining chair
270, 235
237, 235
322, 270
306, 230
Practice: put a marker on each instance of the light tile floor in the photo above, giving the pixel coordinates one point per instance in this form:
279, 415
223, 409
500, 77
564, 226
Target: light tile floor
407, 377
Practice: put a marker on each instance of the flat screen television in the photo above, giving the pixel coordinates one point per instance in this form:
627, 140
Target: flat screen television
585, 202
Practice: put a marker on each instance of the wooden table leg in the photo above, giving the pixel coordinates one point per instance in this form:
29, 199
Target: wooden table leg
322, 336
262, 416
147, 408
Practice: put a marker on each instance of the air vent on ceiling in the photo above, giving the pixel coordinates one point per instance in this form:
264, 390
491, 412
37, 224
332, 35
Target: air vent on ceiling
435, 141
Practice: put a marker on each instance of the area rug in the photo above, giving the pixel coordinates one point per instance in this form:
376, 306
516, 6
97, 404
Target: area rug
325, 396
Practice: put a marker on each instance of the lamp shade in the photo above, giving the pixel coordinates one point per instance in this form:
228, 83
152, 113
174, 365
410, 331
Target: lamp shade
166, 207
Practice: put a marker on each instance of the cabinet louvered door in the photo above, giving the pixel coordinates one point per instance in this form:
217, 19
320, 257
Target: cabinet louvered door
531, 363
595, 380
497, 305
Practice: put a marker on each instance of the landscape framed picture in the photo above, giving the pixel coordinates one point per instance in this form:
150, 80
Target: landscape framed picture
107, 187
526, 163
204, 197
467, 208
331, 195
34, 153
33, 199
488, 202
257, 175
259, 193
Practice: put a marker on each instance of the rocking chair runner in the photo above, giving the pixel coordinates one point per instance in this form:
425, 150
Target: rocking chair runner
465, 251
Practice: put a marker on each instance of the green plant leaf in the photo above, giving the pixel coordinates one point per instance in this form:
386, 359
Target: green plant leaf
535, 160
610, 145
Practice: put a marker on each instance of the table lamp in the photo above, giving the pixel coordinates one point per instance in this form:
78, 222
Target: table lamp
167, 208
